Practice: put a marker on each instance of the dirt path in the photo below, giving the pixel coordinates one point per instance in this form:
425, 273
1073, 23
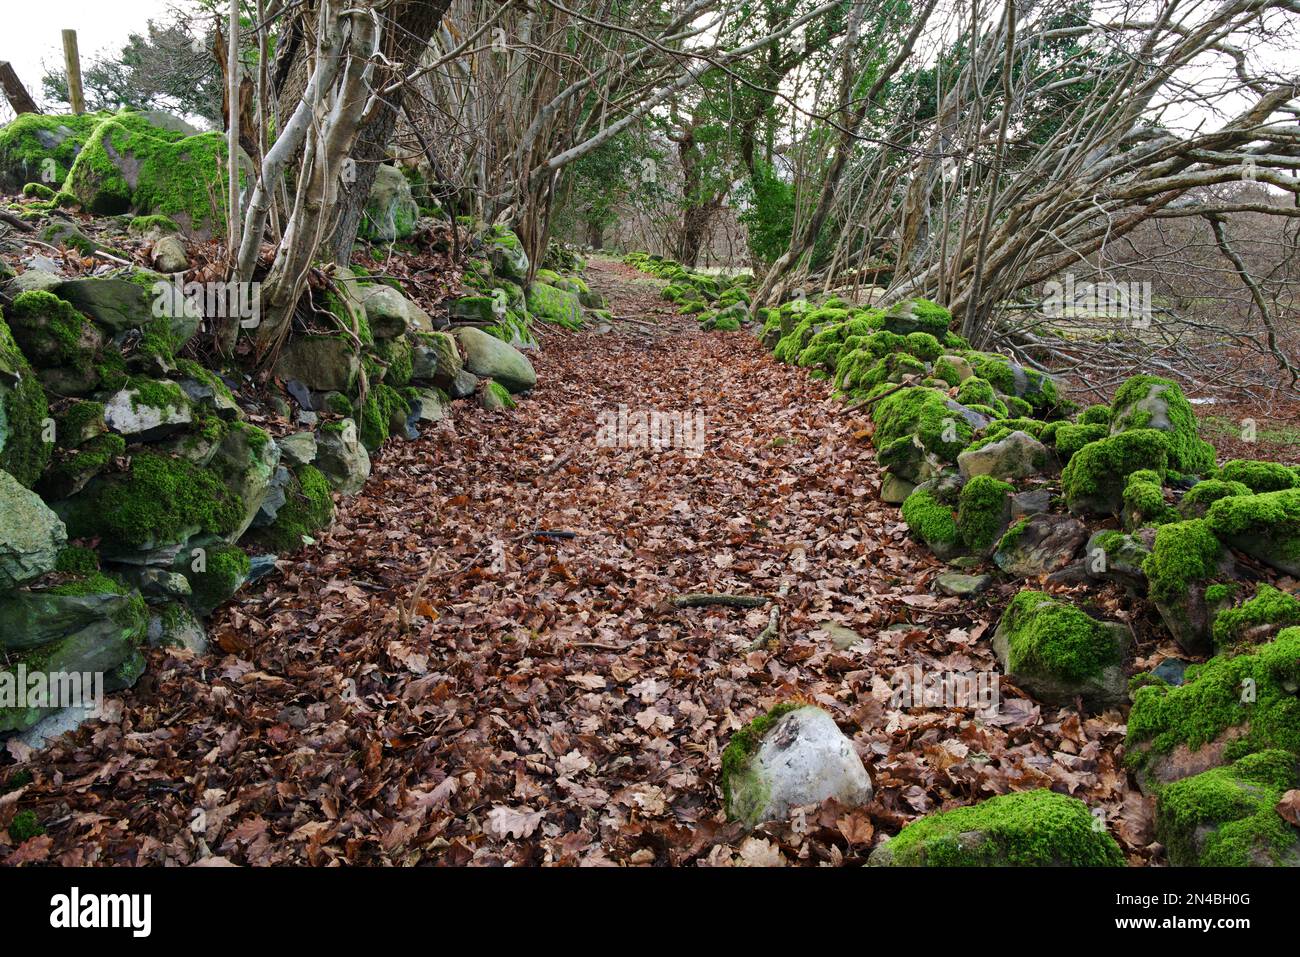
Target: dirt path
549, 706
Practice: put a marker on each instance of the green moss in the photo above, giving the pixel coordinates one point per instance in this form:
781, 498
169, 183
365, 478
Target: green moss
159, 501
156, 394
142, 225
1259, 476
1247, 691
225, 569
982, 511
976, 391
1024, 829
1095, 415
308, 508
1269, 517
1205, 493
1008, 540
945, 370
1130, 409
918, 315
1071, 438
377, 414
924, 412
182, 178
1095, 477
1144, 500
24, 827
24, 453
1185, 554
79, 422
1017, 406
930, 520
38, 191
1227, 817
745, 743
77, 560
923, 346
89, 459
1046, 635
1269, 607
51, 331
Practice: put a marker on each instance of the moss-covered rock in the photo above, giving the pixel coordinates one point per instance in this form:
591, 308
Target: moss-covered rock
25, 444
1059, 653
1196, 503
932, 521
1026, 829
1144, 501
1150, 402
1257, 619
1013, 456
70, 472
1265, 526
1070, 438
1259, 476
557, 306
1227, 816
1095, 477
158, 501
917, 315
56, 337
1039, 544
791, 756
323, 363
308, 508
391, 211
983, 512
944, 427
1185, 559
123, 169
1233, 705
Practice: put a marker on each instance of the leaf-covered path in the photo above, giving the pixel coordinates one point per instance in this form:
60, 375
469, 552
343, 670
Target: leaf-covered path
548, 705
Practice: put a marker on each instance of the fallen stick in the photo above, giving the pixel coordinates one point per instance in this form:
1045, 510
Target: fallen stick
770, 633
701, 599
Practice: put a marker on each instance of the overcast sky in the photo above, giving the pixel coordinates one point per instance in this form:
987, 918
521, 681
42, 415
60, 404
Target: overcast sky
31, 31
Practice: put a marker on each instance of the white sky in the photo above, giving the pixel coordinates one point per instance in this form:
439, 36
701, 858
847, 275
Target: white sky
31, 32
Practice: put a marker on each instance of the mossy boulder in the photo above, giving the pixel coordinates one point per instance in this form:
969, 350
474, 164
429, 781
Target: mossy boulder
435, 359
40, 148
125, 168
1259, 476
983, 512
173, 625
341, 457
1025, 829
1144, 501
1198, 499
943, 426
308, 508
1013, 380
554, 305
91, 623
1039, 544
930, 514
1017, 455
1111, 555
1150, 402
1095, 477
390, 314
792, 756
323, 363
391, 211
1227, 816
147, 410
72, 469
1265, 526
488, 357
1059, 653
159, 502
25, 444
1186, 557
507, 255
1256, 620
215, 569
1231, 706
245, 462
58, 340
116, 303
31, 536
494, 397
1069, 438
917, 315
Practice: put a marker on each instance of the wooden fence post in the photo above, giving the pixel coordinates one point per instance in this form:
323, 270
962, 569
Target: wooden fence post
14, 90
73, 62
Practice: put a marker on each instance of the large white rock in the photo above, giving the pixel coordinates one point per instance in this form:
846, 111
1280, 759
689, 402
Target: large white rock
803, 759
128, 413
